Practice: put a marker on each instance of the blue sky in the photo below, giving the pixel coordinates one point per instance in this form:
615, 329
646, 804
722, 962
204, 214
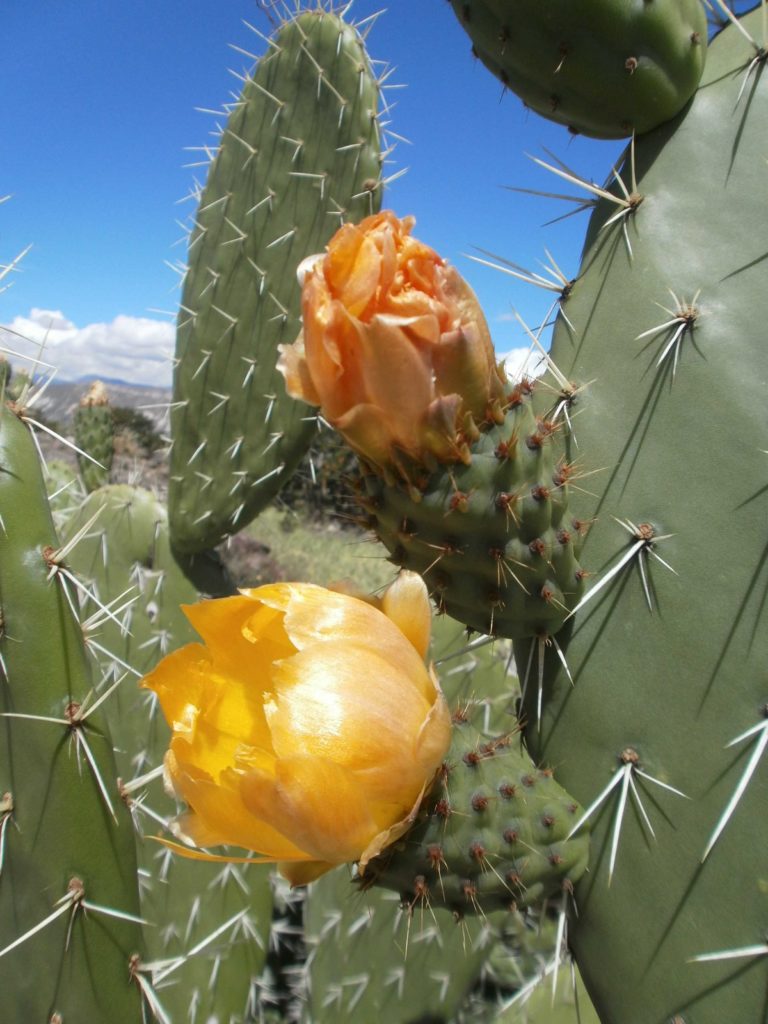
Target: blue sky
103, 99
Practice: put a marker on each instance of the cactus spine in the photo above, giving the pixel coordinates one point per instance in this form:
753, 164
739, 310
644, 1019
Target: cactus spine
300, 154
669, 666
67, 847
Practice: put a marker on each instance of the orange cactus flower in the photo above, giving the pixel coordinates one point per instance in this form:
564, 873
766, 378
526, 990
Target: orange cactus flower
306, 726
395, 348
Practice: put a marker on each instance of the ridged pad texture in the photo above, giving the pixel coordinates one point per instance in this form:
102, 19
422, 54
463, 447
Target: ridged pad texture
605, 68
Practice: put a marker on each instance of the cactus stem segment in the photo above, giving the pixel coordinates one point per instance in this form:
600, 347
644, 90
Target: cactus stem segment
761, 732
625, 779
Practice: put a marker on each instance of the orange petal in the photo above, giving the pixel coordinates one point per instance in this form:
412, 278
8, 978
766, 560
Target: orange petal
397, 376
319, 805
352, 268
406, 603
294, 368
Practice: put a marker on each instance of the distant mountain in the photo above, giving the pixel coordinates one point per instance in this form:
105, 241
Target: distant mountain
89, 378
61, 398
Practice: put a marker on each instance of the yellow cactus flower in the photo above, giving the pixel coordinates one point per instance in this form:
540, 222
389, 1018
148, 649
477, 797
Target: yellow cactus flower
395, 348
306, 726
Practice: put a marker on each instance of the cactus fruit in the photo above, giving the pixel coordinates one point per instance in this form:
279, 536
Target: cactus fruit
300, 152
608, 69
491, 835
94, 435
67, 856
494, 538
670, 666
210, 922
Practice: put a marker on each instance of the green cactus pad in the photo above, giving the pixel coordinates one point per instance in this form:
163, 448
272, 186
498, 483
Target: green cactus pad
66, 835
491, 834
670, 656
94, 430
299, 155
606, 68
370, 961
494, 539
186, 902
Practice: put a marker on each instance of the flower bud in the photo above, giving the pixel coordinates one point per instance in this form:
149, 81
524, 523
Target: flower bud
395, 348
306, 727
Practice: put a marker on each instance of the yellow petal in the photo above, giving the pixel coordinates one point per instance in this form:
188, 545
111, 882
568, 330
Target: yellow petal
344, 703
317, 804
406, 603
221, 817
217, 858
314, 614
212, 713
240, 634
304, 872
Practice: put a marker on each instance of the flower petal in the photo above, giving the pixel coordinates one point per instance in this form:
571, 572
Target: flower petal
316, 803
314, 615
212, 712
303, 872
343, 703
221, 818
406, 603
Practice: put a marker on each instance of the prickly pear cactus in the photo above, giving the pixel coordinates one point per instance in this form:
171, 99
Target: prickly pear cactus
493, 539
369, 960
94, 431
299, 154
669, 657
210, 921
492, 834
607, 68
69, 931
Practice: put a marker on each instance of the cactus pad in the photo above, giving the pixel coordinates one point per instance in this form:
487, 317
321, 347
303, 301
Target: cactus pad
299, 154
493, 539
606, 68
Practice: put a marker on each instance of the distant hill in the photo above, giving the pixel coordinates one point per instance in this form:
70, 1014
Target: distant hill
61, 399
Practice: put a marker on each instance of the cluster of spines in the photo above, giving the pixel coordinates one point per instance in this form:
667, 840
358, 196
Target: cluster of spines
301, 153
493, 538
491, 834
210, 922
68, 892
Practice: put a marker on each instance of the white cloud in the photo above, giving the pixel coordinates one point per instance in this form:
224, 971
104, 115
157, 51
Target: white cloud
134, 349
523, 361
